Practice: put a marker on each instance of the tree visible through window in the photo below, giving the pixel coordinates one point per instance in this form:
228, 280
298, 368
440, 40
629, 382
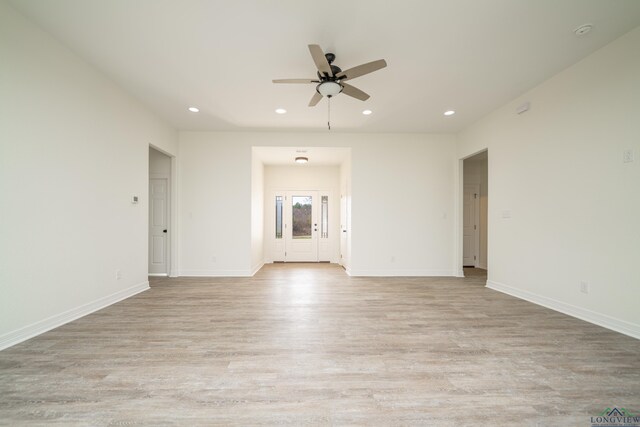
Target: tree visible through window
301, 217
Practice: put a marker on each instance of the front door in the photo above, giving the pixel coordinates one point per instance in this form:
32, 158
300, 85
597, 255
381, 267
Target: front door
158, 223
301, 226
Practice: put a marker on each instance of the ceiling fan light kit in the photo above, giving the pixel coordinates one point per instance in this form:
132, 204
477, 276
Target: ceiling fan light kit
331, 79
329, 89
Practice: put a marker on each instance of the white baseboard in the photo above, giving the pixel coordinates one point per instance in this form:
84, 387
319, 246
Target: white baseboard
157, 274
215, 273
400, 273
42, 326
618, 325
257, 268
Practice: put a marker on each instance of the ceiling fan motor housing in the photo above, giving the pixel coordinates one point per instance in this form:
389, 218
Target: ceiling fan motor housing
326, 78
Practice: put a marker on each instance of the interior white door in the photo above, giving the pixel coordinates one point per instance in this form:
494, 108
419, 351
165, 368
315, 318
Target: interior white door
301, 226
158, 223
470, 221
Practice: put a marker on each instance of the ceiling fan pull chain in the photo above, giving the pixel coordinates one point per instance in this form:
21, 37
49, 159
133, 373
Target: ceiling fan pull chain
329, 112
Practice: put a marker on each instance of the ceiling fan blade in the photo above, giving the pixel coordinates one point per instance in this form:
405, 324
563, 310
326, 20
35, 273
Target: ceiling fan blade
354, 92
316, 98
295, 81
361, 70
321, 61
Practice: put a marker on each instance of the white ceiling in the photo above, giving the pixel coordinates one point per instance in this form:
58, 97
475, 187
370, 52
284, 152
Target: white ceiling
469, 55
318, 156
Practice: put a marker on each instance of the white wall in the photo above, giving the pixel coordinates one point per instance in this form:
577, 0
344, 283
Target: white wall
257, 214
215, 207
73, 151
345, 214
302, 177
558, 169
402, 202
402, 206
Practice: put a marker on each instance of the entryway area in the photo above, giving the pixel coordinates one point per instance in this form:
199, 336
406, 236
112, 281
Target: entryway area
475, 209
305, 203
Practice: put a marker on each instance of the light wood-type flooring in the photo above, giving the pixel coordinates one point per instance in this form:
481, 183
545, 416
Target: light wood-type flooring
304, 344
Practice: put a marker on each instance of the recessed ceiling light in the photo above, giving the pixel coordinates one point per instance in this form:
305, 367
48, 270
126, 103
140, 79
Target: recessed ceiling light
367, 112
194, 109
302, 159
583, 29
449, 113
281, 110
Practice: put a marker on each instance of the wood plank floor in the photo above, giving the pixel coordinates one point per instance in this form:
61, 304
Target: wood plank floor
302, 344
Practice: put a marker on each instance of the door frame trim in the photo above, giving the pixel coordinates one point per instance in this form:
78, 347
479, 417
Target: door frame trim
476, 219
459, 211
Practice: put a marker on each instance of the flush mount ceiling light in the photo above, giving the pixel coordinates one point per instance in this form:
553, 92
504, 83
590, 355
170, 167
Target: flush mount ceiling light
280, 111
367, 112
583, 29
449, 113
302, 159
194, 109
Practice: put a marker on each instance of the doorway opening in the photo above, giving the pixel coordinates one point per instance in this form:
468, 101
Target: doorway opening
159, 213
475, 204
305, 207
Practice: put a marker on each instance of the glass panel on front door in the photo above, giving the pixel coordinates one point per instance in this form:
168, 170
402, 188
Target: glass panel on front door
301, 217
278, 217
324, 218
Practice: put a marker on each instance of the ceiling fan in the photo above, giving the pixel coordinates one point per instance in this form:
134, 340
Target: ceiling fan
331, 79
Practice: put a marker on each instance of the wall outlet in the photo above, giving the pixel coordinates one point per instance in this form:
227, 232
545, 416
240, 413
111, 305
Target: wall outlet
627, 156
118, 274
584, 287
